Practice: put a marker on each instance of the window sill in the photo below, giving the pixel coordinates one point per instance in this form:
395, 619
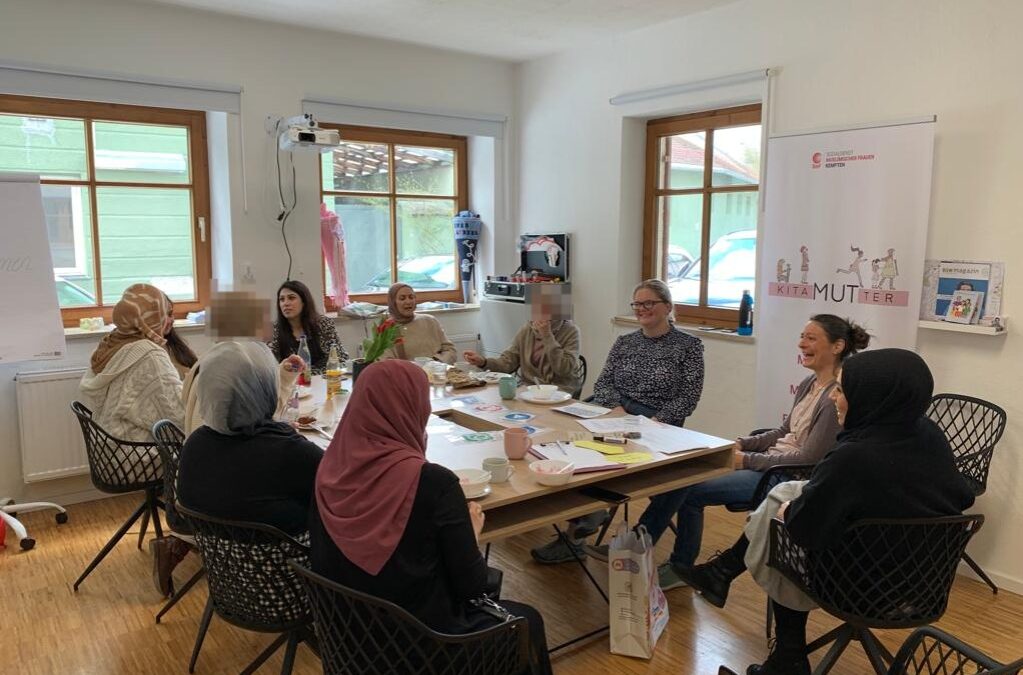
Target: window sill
699, 331
79, 334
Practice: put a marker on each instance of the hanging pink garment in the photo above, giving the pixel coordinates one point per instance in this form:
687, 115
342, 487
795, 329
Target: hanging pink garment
332, 240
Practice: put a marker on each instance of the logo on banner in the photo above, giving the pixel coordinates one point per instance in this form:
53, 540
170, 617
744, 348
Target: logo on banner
884, 270
836, 159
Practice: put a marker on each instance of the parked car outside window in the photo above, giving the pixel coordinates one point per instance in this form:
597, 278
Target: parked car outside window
733, 262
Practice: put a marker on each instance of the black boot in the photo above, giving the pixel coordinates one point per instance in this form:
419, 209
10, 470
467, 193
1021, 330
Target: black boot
783, 661
713, 578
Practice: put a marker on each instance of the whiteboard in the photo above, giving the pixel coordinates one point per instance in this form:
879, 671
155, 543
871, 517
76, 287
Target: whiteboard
28, 304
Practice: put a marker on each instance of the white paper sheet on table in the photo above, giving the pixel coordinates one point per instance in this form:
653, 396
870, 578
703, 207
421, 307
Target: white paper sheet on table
671, 440
585, 460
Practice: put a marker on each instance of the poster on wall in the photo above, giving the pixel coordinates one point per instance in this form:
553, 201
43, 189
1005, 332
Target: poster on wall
34, 329
845, 227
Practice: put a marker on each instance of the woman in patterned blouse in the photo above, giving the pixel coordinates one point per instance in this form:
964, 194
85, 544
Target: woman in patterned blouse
656, 371
297, 316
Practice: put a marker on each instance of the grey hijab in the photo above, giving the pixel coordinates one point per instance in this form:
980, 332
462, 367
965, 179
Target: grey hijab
237, 387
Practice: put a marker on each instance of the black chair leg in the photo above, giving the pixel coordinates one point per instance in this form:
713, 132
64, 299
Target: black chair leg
607, 524
265, 654
980, 573
204, 625
673, 527
154, 506
289, 653
145, 522
841, 636
879, 656
181, 592
769, 620
110, 544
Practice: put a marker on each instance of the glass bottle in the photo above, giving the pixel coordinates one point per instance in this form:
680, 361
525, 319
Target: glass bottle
305, 378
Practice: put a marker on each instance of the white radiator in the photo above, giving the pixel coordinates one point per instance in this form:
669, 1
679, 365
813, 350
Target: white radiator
51, 439
464, 342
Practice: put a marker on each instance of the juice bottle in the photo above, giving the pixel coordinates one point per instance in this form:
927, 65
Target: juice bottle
332, 374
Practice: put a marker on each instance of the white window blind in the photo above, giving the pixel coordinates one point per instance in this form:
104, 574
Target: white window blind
356, 113
43, 81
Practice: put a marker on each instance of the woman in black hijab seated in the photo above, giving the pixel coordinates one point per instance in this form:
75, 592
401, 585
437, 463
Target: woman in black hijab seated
890, 462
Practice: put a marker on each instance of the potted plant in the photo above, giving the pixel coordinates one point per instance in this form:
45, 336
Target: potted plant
386, 334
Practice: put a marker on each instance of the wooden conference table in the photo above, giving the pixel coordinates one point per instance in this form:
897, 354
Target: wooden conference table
521, 504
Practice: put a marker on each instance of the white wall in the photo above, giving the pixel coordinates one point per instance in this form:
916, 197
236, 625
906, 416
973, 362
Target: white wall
276, 66
841, 63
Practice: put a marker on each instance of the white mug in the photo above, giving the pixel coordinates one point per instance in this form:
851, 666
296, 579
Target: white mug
499, 467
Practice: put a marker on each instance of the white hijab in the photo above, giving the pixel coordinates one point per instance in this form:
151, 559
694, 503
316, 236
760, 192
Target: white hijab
236, 387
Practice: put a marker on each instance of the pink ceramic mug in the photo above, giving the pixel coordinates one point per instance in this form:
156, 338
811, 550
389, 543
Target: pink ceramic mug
516, 443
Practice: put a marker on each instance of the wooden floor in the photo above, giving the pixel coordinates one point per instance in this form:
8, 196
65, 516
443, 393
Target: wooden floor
108, 627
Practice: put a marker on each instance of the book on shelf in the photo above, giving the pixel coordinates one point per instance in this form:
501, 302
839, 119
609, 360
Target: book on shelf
943, 278
964, 307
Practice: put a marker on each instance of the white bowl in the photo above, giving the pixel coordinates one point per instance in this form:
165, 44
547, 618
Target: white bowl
542, 391
473, 481
545, 471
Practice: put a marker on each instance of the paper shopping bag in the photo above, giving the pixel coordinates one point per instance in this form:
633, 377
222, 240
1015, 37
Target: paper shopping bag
639, 610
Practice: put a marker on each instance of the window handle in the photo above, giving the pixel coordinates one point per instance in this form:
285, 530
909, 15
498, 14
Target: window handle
202, 229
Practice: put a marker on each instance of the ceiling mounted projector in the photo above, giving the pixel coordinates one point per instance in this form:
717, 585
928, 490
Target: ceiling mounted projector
302, 133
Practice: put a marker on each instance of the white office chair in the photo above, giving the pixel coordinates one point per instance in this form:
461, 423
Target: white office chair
9, 509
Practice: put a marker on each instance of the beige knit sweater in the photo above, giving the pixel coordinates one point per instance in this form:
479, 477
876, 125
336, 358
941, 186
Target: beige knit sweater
559, 362
423, 336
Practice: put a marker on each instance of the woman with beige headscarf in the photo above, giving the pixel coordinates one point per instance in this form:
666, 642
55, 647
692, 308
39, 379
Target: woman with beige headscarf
131, 383
422, 334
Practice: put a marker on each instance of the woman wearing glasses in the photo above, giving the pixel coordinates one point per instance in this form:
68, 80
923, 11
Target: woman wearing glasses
656, 371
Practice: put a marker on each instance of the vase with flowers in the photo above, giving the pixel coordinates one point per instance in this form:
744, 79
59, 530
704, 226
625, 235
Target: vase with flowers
386, 334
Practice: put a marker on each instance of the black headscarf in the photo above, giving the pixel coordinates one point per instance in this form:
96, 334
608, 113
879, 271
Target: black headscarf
887, 387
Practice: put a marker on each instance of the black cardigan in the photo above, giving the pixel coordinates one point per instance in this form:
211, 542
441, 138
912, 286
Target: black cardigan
886, 471
436, 567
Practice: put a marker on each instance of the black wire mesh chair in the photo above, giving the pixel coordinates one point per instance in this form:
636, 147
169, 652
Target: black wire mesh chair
116, 467
582, 383
881, 574
169, 439
931, 651
363, 635
251, 584
973, 427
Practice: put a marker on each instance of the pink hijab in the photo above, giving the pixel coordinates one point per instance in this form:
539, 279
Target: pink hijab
368, 478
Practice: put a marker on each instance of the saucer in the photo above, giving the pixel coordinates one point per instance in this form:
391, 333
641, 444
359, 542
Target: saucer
556, 397
482, 493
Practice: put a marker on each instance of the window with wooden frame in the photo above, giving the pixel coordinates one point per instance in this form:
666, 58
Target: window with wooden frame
396, 193
700, 220
125, 195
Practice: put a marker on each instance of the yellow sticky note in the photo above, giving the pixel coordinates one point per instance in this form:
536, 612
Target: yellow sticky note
603, 448
631, 458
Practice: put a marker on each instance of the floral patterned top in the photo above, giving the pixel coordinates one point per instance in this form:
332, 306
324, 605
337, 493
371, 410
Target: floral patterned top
664, 373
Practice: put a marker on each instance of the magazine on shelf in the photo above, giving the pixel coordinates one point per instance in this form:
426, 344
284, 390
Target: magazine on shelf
964, 307
942, 278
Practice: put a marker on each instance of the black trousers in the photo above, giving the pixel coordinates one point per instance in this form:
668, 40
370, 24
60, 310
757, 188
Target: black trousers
539, 660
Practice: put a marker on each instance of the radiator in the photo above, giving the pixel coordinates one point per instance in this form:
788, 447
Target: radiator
464, 342
51, 439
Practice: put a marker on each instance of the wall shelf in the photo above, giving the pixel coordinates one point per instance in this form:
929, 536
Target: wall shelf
964, 328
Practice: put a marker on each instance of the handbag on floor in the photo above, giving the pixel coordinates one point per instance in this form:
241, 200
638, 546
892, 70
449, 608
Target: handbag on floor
639, 610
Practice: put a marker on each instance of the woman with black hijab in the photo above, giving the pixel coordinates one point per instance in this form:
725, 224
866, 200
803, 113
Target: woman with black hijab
890, 462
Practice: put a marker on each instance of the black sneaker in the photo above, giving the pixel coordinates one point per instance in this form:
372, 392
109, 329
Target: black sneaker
783, 661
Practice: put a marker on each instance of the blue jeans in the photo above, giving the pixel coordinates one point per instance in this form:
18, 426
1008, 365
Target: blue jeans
688, 503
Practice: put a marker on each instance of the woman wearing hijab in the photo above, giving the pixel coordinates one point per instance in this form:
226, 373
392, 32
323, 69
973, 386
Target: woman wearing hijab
391, 524
890, 462
241, 464
423, 334
131, 383
545, 350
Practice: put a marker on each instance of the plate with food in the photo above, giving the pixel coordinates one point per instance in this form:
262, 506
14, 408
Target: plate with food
489, 377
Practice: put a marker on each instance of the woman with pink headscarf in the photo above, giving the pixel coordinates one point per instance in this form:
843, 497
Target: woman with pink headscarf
390, 523
132, 383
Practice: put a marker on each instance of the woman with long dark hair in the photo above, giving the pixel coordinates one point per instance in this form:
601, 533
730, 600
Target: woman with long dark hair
181, 355
297, 316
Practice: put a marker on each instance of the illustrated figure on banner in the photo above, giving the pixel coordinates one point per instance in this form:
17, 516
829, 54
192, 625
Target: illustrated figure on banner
804, 266
332, 241
875, 272
784, 271
854, 266
889, 270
